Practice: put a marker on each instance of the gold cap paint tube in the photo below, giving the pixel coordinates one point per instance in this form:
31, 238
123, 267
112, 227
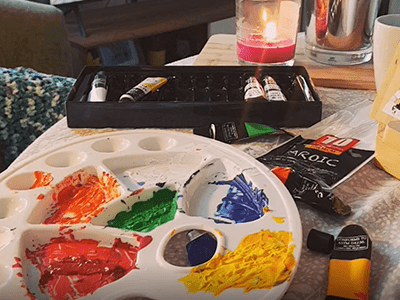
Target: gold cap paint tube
147, 86
350, 264
253, 90
272, 90
98, 93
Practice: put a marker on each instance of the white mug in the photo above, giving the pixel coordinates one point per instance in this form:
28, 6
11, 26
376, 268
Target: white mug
386, 37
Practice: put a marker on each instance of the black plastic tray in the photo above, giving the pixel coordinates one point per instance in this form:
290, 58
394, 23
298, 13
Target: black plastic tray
194, 96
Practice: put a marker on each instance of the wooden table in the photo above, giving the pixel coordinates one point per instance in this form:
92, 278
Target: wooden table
221, 50
373, 194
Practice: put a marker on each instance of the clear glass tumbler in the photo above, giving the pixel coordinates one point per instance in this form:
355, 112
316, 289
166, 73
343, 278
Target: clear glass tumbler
339, 32
266, 31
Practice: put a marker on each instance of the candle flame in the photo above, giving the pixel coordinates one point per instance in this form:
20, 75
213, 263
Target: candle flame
270, 31
264, 16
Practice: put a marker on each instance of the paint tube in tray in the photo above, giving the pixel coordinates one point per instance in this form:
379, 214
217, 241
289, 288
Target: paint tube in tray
253, 90
139, 91
313, 163
272, 90
98, 92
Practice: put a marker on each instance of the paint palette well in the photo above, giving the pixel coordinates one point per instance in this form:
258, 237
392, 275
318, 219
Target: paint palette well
93, 220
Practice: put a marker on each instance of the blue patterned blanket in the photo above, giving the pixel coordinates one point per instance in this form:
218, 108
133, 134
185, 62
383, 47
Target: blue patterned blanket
30, 103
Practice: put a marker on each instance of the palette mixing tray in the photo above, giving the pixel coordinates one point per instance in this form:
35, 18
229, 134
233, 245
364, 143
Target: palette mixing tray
96, 219
194, 96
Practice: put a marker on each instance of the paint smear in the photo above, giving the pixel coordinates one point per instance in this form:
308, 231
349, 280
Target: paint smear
41, 179
242, 203
261, 261
70, 269
80, 197
279, 220
144, 216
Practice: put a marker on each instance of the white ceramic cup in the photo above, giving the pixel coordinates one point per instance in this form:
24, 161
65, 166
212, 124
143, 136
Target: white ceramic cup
385, 40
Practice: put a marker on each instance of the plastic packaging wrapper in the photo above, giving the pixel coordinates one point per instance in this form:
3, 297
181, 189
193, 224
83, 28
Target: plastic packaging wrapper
324, 155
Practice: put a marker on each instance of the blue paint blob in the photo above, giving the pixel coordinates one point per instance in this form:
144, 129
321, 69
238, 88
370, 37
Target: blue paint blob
242, 203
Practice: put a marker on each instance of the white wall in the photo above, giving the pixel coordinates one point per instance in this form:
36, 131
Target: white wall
223, 26
394, 7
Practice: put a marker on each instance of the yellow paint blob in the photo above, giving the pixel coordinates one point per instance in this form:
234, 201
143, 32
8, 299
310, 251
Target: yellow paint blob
279, 220
261, 261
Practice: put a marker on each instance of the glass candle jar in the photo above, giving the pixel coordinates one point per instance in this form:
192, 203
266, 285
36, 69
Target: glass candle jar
266, 31
339, 32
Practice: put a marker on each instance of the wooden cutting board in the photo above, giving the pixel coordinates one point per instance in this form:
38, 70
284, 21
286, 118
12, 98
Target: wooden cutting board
220, 50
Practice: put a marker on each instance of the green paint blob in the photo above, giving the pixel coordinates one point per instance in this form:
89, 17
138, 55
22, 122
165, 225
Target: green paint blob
144, 216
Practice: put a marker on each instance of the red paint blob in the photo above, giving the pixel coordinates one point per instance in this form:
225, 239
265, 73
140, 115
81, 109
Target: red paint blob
17, 264
137, 192
70, 269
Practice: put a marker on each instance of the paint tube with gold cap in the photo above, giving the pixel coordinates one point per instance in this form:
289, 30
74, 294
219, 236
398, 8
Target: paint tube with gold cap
272, 90
253, 90
349, 266
139, 91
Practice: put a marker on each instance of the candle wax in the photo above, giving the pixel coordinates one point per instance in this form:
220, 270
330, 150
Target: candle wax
255, 49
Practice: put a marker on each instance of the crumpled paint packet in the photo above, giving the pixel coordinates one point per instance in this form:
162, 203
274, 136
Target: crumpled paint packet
324, 155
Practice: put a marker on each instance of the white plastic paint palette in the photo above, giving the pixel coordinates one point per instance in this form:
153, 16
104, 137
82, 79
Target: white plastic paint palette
147, 160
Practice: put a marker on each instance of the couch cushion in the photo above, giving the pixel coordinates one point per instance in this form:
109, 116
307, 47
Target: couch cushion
34, 35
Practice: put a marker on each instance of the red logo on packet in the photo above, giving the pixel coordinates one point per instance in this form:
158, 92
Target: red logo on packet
331, 144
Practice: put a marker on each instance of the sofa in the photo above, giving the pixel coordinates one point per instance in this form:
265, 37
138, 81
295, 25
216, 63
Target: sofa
36, 72
34, 35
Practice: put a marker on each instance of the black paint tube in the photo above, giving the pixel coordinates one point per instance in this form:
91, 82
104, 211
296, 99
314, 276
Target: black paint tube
147, 86
272, 90
253, 90
98, 93
234, 131
307, 190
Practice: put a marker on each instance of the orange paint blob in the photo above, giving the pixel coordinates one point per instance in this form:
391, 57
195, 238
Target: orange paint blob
80, 197
41, 179
282, 173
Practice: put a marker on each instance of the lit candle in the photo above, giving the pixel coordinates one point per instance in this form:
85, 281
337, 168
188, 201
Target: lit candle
266, 48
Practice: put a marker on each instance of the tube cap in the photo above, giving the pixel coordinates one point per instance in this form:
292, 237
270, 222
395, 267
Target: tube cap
207, 131
320, 241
